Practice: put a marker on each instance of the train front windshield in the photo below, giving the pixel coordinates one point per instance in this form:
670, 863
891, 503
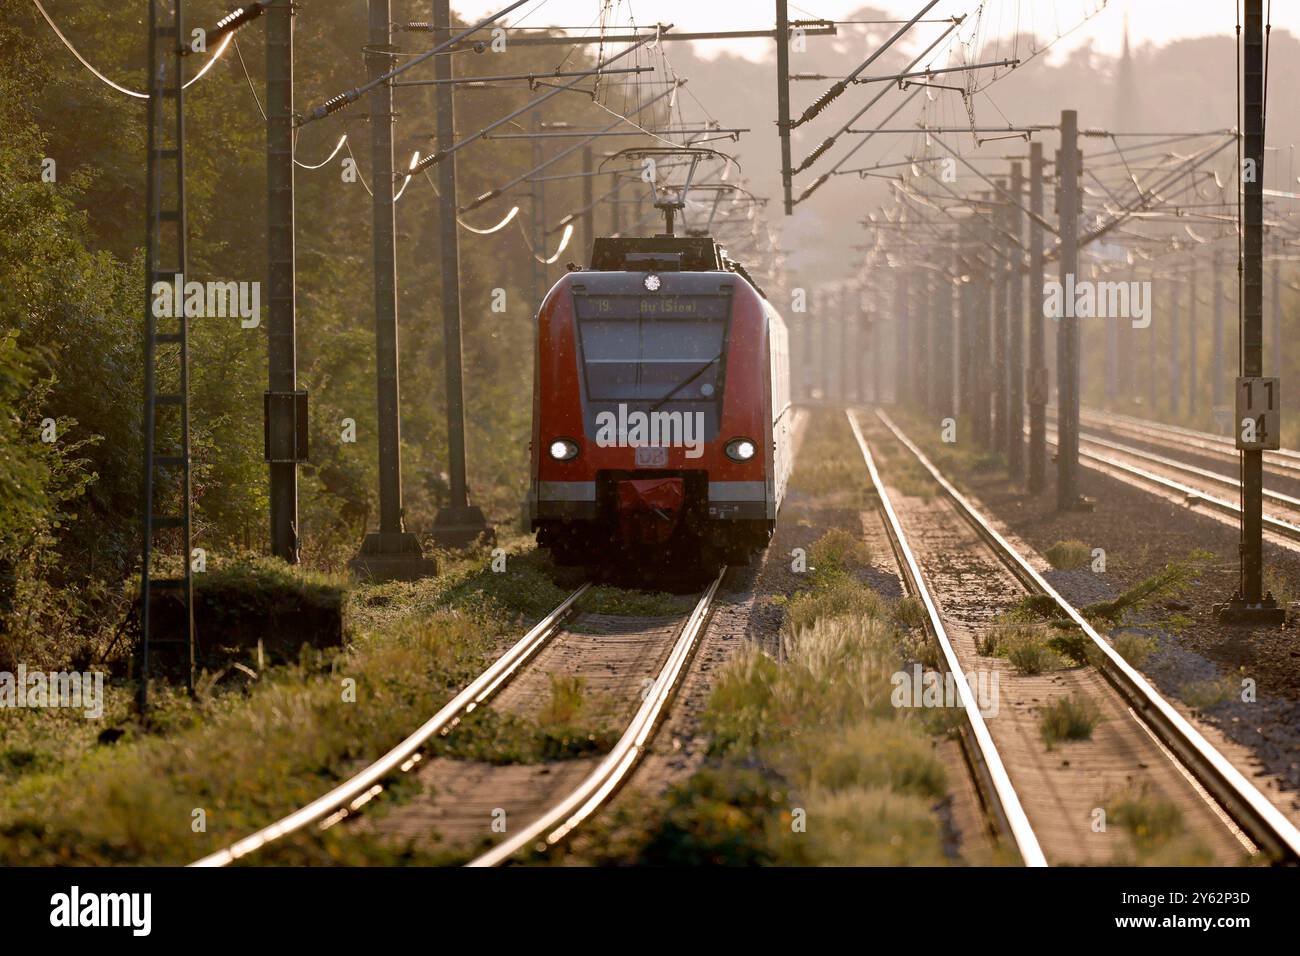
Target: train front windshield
654, 351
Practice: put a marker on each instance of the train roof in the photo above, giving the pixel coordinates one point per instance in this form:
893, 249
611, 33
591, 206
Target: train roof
657, 254
665, 254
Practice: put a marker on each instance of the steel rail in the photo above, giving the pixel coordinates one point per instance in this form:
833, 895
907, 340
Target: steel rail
554, 825
998, 792
1264, 823
1284, 458
1277, 525
357, 790
1187, 468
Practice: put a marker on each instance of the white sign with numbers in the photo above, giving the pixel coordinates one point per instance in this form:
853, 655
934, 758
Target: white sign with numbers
1259, 416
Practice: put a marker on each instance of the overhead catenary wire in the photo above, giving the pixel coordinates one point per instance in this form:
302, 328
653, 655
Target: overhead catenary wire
249, 79
340, 100
82, 60
499, 190
325, 162
841, 85
208, 64
564, 243
444, 151
831, 140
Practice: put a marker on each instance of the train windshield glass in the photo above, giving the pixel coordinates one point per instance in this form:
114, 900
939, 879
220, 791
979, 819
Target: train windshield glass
657, 349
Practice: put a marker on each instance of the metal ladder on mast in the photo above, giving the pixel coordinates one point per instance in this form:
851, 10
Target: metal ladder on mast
166, 347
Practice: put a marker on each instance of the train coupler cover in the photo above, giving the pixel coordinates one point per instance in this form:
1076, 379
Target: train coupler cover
649, 508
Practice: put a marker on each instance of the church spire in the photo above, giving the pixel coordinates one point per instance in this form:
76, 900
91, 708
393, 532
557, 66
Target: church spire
1127, 113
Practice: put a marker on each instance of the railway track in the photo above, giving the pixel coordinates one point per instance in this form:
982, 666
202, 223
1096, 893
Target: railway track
353, 793
1194, 484
1285, 462
1233, 798
994, 783
613, 770
561, 818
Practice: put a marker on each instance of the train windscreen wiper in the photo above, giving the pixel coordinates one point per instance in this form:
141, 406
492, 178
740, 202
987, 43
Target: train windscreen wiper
682, 384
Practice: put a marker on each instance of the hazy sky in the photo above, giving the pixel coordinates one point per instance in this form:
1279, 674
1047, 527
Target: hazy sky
1156, 21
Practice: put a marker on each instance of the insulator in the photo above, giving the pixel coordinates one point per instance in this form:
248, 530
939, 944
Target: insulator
824, 101
486, 197
431, 160
237, 18
817, 184
333, 104
815, 155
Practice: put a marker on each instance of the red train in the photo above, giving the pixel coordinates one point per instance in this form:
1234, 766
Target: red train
661, 407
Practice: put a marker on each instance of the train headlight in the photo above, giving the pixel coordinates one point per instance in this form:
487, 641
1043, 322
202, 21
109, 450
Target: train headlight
740, 449
564, 449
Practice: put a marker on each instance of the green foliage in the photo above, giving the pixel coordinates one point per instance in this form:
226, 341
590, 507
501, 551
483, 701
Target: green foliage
839, 550
910, 612
1029, 647
720, 817
567, 701
1276, 584
1072, 644
1069, 555
1134, 647
607, 599
525, 589
497, 737
72, 299
1067, 718
254, 751
1169, 582
41, 614
1156, 829
836, 596
1205, 694
811, 761
831, 468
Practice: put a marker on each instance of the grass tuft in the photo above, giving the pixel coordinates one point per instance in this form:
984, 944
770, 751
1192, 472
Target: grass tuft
910, 612
568, 699
836, 596
1134, 646
839, 551
1205, 694
1027, 646
1169, 582
628, 602
1069, 555
1068, 718
1157, 831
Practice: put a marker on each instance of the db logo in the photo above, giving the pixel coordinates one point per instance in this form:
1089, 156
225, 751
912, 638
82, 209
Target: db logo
651, 456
